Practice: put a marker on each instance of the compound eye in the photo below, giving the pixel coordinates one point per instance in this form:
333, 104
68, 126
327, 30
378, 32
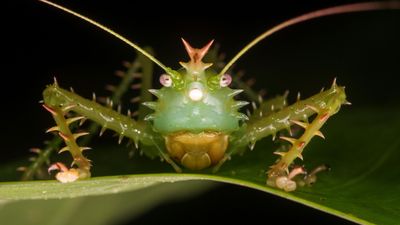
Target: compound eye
225, 80
166, 80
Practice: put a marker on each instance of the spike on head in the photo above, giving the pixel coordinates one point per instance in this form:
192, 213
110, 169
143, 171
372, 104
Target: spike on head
196, 55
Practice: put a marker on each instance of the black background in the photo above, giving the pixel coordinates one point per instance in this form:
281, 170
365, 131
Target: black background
39, 42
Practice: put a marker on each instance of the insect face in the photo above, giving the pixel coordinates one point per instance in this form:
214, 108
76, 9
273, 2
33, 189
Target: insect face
195, 112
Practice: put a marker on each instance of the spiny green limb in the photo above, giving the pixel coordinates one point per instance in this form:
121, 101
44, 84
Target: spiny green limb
248, 91
280, 171
58, 102
298, 145
106, 117
128, 76
267, 107
83, 170
165, 156
34, 169
324, 104
279, 174
260, 127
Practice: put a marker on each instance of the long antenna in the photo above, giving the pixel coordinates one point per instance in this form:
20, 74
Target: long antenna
108, 30
366, 6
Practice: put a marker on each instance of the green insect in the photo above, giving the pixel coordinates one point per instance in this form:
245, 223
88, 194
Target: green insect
197, 121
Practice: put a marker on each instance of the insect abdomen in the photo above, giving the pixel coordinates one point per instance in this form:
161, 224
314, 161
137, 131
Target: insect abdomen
197, 151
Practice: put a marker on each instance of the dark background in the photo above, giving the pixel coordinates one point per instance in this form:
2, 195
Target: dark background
39, 42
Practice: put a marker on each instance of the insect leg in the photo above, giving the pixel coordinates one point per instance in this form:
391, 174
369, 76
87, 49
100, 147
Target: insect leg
69, 138
266, 108
164, 155
324, 105
279, 174
260, 127
238, 83
36, 166
127, 77
59, 101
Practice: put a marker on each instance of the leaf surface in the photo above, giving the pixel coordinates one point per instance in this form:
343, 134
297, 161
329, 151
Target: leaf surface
362, 147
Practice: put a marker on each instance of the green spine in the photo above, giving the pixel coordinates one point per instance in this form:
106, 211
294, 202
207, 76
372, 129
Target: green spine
258, 128
107, 117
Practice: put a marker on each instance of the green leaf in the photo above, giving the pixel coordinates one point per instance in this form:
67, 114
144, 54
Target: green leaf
362, 147
100, 210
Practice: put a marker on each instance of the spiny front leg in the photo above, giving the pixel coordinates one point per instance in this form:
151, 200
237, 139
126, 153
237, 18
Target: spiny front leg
279, 174
68, 175
125, 126
332, 105
59, 101
134, 71
324, 104
298, 145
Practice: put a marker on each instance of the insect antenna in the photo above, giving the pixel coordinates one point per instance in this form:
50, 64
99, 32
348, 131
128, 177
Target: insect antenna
113, 33
357, 7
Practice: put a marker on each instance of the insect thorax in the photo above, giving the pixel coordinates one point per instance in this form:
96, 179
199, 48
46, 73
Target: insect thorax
194, 113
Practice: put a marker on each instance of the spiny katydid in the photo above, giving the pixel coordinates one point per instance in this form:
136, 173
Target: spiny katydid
196, 121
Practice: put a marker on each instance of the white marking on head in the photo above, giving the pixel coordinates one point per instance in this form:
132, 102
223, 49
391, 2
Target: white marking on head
196, 94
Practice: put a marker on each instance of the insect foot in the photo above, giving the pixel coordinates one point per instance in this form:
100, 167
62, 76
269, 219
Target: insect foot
310, 178
291, 181
68, 175
286, 182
